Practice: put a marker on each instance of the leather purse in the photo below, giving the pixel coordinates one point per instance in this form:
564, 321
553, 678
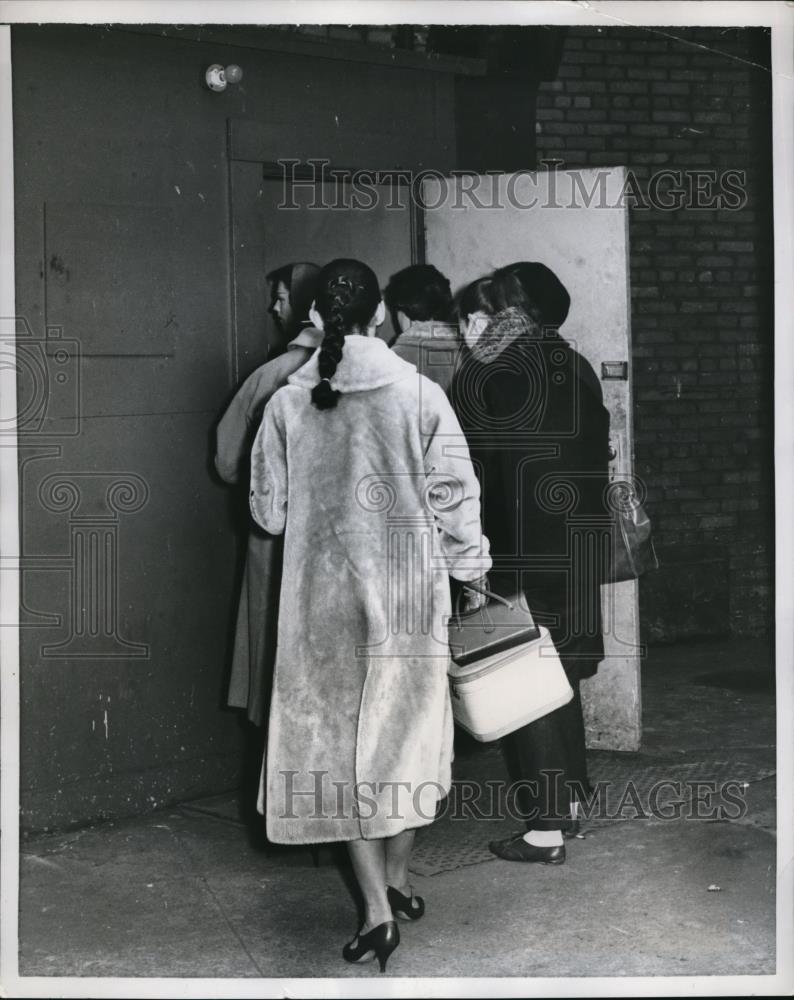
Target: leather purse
632, 551
498, 626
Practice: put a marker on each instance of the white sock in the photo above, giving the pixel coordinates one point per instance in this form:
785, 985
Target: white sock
544, 838
575, 809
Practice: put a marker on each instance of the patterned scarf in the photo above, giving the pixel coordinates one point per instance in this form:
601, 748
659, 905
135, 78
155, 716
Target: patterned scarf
503, 329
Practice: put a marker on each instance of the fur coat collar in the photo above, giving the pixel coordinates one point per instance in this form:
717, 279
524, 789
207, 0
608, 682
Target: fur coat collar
367, 363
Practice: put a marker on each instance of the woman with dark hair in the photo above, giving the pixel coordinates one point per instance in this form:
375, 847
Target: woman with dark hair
532, 411
292, 295
350, 463
292, 291
420, 301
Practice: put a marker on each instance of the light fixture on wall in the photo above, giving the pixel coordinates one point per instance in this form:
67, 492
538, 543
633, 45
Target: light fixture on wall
218, 77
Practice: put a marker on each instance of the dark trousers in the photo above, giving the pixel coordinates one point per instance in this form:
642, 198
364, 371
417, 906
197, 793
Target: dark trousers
546, 760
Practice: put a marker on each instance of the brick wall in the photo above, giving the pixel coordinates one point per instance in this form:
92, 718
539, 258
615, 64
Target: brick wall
701, 302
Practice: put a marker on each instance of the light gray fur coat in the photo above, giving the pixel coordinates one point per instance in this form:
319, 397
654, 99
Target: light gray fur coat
379, 504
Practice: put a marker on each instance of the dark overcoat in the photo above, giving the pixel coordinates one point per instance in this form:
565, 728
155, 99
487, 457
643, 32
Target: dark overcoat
539, 438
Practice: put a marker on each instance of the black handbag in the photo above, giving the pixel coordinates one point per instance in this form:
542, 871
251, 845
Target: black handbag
632, 552
500, 625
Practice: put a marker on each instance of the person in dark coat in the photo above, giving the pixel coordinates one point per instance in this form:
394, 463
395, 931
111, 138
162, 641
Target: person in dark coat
532, 410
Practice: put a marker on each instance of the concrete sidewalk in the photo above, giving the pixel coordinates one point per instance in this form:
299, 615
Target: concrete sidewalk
184, 893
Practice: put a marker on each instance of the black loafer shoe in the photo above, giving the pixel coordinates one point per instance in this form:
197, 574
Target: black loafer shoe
573, 830
517, 849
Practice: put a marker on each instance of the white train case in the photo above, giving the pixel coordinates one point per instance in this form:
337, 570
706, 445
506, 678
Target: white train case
496, 695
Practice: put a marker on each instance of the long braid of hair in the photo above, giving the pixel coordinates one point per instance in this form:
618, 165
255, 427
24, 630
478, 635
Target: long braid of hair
347, 299
341, 293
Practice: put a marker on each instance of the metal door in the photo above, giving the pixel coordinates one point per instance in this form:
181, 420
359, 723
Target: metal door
279, 218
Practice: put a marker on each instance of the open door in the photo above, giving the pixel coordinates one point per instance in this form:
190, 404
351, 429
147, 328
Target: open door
285, 212
575, 222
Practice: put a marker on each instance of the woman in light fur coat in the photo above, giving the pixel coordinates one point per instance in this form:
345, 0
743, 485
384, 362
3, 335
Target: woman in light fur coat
361, 462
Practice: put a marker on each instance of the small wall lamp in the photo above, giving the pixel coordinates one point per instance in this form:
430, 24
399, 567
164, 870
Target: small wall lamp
218, 77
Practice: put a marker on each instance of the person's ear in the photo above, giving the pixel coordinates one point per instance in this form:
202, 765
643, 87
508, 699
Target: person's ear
316, 318
380, 314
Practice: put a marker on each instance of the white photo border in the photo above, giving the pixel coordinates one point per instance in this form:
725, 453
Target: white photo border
780, 18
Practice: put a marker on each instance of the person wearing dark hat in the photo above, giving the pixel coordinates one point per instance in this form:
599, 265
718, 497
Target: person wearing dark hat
532, 410
292, 294
419, 299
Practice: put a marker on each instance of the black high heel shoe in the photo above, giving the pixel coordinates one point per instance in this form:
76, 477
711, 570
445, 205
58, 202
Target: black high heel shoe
378, 943
407, 907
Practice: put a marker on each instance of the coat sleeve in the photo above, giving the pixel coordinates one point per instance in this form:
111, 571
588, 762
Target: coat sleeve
233, 435
453, 490
268, 496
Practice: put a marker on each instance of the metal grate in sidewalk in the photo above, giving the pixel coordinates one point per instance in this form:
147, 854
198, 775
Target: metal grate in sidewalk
460, 837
